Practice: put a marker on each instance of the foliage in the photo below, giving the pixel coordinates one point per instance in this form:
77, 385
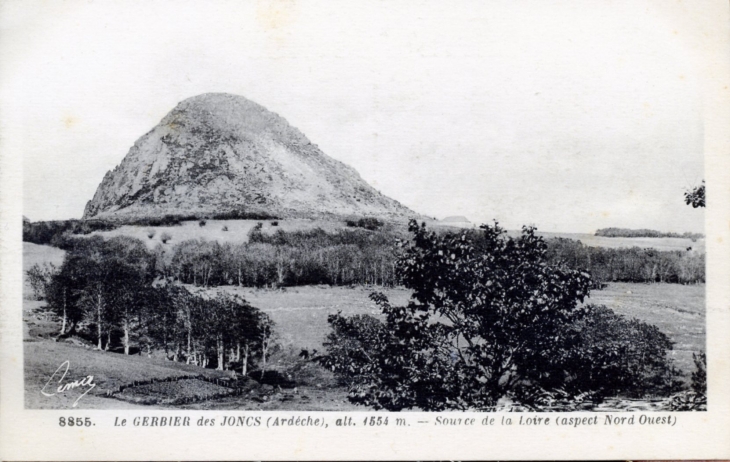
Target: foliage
624, 232
696, 196
482, 316
612, 355
39, 277
369, 223
487, 317
629, 264
288, 259
242, 215
699, 376
44, 232
112, 288
694, 399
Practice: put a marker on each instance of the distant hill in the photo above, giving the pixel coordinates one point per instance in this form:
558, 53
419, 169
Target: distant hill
218, 153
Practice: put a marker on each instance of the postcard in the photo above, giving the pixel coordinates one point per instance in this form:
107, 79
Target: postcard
284, 229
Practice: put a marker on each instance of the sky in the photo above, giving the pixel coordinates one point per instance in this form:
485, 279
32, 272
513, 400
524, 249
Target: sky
568, 115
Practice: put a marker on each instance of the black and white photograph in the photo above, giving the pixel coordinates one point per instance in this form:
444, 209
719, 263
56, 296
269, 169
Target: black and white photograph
407, 207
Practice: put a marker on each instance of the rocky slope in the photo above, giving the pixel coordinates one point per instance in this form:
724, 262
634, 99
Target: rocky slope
218, 153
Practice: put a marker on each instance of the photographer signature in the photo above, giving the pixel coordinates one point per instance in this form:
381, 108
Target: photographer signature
87, 382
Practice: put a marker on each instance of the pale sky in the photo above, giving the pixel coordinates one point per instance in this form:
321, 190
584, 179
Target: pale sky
572, 115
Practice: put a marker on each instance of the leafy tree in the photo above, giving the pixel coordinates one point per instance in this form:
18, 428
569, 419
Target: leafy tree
63, 293
489, 317
485, 313
696, 196
609, 354
39, 277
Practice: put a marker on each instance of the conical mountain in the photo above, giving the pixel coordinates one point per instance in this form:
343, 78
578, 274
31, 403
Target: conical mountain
219, 153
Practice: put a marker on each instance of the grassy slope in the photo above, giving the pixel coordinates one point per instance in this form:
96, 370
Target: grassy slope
110, 370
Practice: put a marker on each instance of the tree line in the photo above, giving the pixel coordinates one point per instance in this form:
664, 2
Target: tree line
632, 264
625, 232
360, 257
346, 257
110, 292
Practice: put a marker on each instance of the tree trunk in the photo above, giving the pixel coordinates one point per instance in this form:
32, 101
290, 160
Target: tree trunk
189, 351
264, 347
221, 353
98, 321
108, 339
63, 324
126, 337
244, 366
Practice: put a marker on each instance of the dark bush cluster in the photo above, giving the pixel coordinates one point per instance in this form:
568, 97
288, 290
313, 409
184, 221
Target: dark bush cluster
50, 232
369, 223
489, 317
242, 215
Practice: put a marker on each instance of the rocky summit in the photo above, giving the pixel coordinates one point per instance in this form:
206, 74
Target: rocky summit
220, 153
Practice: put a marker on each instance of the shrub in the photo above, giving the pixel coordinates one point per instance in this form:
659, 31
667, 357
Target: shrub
39, 278
369, 223
487, 317
612, 355
699, 376
202, 223
150, 233
164, 237
274, 223
479, 319
225, 228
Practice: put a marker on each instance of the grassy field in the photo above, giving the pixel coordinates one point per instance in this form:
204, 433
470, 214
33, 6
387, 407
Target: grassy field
300, 313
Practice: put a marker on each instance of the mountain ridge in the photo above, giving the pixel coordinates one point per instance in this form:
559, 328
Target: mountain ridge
222, 153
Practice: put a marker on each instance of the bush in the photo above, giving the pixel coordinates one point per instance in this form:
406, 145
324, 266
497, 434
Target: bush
39, 278
164, 237
613, 355
699, 376
150, 233
479, 319
488, 317
202, 223
275, 223
225, 228
369, 223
